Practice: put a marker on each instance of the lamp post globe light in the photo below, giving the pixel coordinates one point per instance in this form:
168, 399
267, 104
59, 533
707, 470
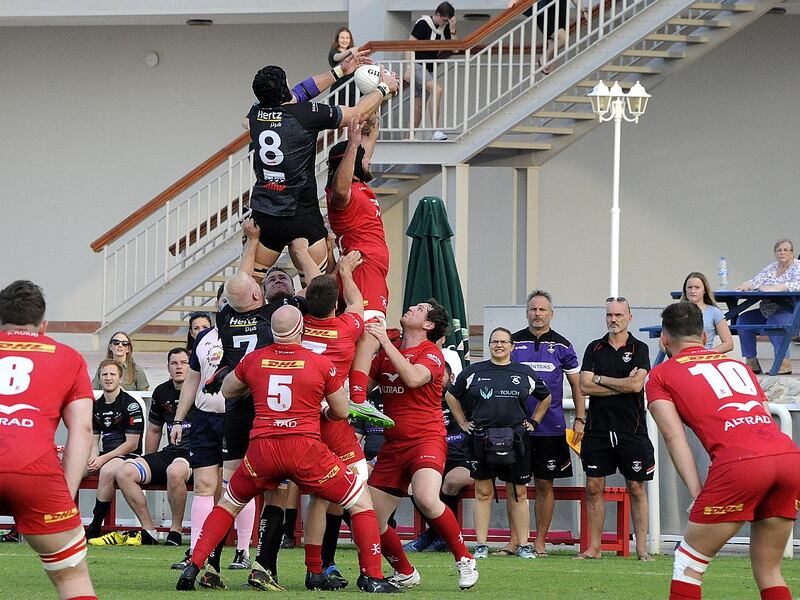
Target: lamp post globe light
614, 104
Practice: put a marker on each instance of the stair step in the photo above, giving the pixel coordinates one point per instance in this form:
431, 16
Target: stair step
734, 7
166, 323
574, 99
542, 129
190, 309
590, 83
556, 114
201, 294
690, 22
677, 37
217, 278
644, 69
408, 176
653, 54
519, 145
385, 191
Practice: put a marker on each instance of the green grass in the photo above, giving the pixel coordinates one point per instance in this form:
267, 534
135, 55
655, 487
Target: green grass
143, 574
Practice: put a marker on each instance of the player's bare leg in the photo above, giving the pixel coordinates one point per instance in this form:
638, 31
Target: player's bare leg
129, 477
543, 507
699, 545
265, 258
639, 514
178, 474
595, 514
106, 478
319, 254
768, 538
64, 558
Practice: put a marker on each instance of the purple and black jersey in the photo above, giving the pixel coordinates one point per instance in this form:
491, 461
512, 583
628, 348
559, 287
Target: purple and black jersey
550, 355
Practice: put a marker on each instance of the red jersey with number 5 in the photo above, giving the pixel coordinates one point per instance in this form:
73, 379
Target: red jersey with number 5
288, 383
335, 338
721, 401
358, 226
38, 378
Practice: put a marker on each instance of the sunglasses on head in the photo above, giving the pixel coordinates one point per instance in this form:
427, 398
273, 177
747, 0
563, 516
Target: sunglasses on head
123, 343
616, 299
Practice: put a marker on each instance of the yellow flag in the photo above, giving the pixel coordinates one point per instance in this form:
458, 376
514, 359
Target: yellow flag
571, 441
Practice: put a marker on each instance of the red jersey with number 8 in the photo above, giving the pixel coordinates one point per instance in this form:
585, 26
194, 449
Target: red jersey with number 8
721, 401
288, 383
38, 378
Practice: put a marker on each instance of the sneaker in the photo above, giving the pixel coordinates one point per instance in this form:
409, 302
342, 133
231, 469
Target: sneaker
467, 573
333, 573
188, 575
370, 414
404, 581
437, 545
140, 538
422, 542
481, 551
287, 542
263, 580
174, 538
11, 537
321, 582
374, 585
525, 551
439, 136
183, 563
211, 580
240, 561
114, 538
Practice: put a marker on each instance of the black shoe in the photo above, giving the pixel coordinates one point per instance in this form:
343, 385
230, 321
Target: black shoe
188, 575
11, 537
211, 580
319, 581
93, 532
373, 585
174, 538
288, 542
333, 573
180, 566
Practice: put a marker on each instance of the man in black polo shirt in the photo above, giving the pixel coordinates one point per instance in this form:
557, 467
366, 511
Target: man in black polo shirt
613, 373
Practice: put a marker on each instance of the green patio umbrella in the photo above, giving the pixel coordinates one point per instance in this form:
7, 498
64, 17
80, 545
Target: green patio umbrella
432, 271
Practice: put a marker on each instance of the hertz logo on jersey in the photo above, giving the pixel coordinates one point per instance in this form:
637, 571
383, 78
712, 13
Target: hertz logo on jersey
27, 347
723, 510
271, 363
322, 333
60, 516
701, 358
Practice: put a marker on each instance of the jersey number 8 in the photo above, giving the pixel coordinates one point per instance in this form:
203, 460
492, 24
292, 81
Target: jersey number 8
15, 375
269, 142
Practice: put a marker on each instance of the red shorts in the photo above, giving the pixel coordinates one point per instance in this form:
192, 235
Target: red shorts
370, 278
397, 462
750, 490
306, 461
40, 504
341, 438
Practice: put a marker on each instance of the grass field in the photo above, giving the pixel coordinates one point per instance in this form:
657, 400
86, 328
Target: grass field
143, 573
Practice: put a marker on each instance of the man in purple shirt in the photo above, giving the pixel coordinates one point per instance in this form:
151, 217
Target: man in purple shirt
551, 356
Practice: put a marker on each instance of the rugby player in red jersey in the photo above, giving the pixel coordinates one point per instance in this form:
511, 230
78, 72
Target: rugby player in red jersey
42, 382
415, 449
288, 383
755, 469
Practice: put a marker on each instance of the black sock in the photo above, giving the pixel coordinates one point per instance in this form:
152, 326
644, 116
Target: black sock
289, 522
148, 539
392, 523
332, 525
346, 518
270, 532
100, 512
450, 502
424, 518
216, 555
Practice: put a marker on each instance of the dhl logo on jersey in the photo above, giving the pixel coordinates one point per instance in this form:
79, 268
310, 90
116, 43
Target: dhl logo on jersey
723, 510
61, 515
331, 474
27, 347
249, 468
330, 334
701, 358
271, 363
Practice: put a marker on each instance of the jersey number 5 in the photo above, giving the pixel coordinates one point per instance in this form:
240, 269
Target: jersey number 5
726, 378
15, 375
279, 394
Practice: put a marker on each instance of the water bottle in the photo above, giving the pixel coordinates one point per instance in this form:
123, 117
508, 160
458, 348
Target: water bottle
723, 273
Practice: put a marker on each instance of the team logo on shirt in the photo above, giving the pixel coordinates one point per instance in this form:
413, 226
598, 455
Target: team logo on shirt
271, 363
133, 406
27, 347
627, 357
391, 376
434, 358
551, 348
487, 393
332, 372
741, 406
61, 515
551, 465
636, 466
323, 333
515, 379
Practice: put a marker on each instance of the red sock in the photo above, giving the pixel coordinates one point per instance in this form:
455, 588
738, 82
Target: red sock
447, 527
313, 558
393, 552
358, 386
779, 592
368, 540
83, 598
681, 590
215, 528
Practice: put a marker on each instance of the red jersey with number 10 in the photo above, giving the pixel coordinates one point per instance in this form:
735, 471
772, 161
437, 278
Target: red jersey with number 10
38, 378
335, 338
721, 401
417, 413
288, 383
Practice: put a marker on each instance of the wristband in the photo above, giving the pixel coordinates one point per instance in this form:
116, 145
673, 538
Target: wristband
535, 423
383, 89
581, 419
337, 72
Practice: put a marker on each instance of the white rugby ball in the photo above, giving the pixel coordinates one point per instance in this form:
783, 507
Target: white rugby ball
367, 78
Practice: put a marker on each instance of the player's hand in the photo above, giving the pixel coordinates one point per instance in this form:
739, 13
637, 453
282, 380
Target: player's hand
452, 22
95, 463
390, 79
578, 427
377, 330
176, 433
744, 287
634, 372
356, 59
214, 384
348, 263
251, 230
354, 131
407, 75
467, 427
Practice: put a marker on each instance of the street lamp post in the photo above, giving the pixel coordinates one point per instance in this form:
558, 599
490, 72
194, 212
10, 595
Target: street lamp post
614, 104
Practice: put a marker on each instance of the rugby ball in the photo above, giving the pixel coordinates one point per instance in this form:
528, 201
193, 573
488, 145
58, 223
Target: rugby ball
367, 78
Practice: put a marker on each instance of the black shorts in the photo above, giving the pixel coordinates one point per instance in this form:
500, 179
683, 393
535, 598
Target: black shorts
550, 457
449, 465
604, 452
128, 456
519, 473
205, 443
239, 416
159, 461
278, 232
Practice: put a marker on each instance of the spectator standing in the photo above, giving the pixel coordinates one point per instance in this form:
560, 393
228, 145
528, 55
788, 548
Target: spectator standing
697, 291
552, 357
120, 348
779, 276
612, 375
341, 48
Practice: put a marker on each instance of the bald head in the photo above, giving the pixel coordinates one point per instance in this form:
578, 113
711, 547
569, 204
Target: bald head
287, 325
243, 293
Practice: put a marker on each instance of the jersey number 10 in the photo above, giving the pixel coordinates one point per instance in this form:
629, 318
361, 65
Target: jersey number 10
725, 378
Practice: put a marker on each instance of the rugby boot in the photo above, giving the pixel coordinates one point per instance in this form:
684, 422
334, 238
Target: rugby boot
423, 541
405, 581
113, 538
467, 573
188, 575
333, 573
240, 561
263, 580
211, 580
370, 414
320, 581
181, 565
437, 545
140, 538
174, 538
373, 585
11, 537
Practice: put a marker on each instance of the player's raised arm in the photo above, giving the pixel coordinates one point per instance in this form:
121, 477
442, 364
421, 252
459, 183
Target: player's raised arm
343, 178
251, 231
317, 84
353, 298
369, 103
77, 416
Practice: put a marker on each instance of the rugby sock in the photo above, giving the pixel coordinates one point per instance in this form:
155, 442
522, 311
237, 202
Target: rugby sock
270, 531
201, 508
447, 528
392, 549
368, 540
82, 598
682, 590
289, 522
214, 530
333, 524
244, 525
313, 558
358, 386
99, 513
780, 592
